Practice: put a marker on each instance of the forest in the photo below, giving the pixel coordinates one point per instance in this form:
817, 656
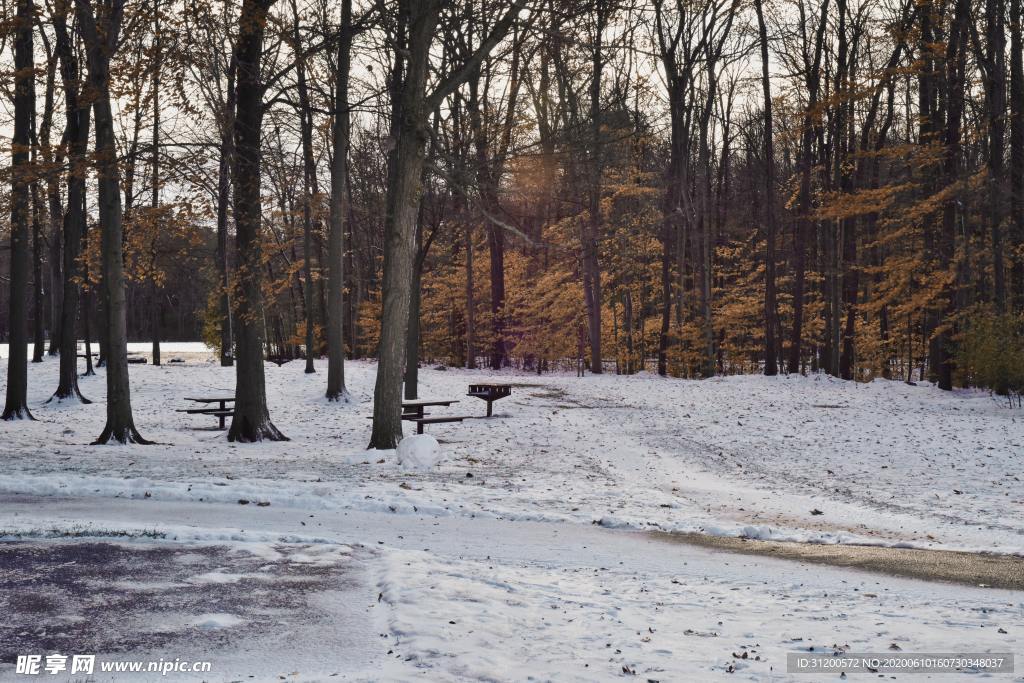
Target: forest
683, 187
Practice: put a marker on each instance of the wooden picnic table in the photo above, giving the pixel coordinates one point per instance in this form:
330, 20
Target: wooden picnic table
222, 400
413, 410
220, 412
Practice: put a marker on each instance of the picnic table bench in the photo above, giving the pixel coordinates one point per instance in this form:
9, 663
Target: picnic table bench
414, 411
220, 412
490, 393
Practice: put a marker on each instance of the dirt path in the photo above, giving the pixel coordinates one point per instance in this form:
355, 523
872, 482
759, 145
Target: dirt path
972, 569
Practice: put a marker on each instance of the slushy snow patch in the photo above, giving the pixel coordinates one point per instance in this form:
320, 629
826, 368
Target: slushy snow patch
419, 452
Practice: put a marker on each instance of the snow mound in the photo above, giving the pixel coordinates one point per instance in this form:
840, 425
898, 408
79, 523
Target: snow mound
419, 452
216, 621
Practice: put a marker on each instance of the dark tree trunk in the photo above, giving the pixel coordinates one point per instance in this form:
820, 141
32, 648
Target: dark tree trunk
470, 303
1017, 149
956, 58
628, 323
38, 313
53, 211
227, 357
339, 215
994, 75
101, 34
412, 347
88, 308
409, 126
591, 228
16, 406
770, 307
410, 133
804, 225
308, 188
156, 296
251, 420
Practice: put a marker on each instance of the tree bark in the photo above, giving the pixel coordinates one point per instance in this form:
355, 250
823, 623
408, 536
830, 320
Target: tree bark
470, 303
156, 303
1017, 149
409, 132
770, 307
251, 420
38, 312
308, 183
227, 357
101, 33
804, 223
53, 199
339, 215
591, 228
955, 82
16, 406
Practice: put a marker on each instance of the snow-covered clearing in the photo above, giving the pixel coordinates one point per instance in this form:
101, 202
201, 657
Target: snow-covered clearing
883, 463
498, 563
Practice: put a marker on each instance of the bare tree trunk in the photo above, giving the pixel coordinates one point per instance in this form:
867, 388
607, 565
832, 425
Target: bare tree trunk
101, 33
995, 95
412, 347
804, 223
52, 209
251, 420
592, 226
409, 126
227, 357
470, 304
156, 303
339, 215
16, 406
308, 183
1017, 149
38, 313
770, 307
629, 324
955, 82
410, 133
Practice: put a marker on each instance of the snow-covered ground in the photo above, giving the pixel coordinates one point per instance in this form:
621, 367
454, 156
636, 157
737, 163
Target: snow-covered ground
499, 563
454, 598
796, 458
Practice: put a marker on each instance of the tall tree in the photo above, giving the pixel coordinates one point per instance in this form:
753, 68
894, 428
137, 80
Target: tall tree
309, 182
955, 62
1017, 147
16, 406
339, 211
591, 227
76, 133
100, 22
251, 420
156, 296
811, 68
409, 131
771, 366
